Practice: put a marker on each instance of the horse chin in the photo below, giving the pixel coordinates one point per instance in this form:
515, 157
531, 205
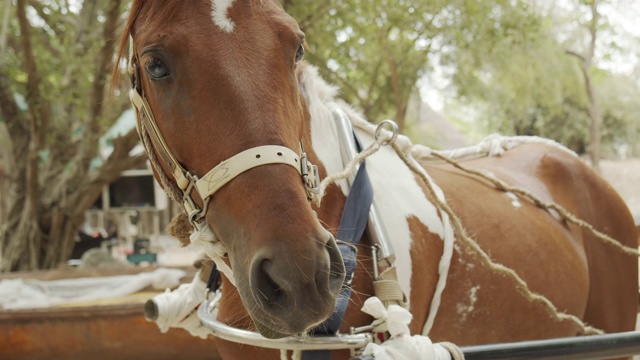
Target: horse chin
277, 332
268, 332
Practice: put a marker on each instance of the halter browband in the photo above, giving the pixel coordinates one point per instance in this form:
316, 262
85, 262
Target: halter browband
224, 172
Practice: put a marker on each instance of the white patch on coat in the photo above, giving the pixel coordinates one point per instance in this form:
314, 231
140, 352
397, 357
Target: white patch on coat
397, 194
219, 13
466, 308
515, 201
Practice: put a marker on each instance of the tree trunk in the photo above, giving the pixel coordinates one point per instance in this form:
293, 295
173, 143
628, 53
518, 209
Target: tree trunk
586, 62
595, 130
400, 101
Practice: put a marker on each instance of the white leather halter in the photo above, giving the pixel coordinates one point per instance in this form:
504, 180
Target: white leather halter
224, 172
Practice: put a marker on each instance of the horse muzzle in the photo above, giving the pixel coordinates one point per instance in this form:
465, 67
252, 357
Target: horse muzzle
293, 291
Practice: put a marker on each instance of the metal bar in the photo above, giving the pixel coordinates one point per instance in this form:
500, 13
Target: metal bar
348, 150
223, 331
579, 348
595, 347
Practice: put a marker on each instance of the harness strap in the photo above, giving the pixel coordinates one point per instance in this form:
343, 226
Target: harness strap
353, 222
388, 290
143, 108
239, 163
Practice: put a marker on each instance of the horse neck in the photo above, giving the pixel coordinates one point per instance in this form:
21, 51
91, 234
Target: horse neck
323, 136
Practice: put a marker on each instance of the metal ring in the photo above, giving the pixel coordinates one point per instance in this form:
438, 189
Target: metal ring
195, 216
392, 127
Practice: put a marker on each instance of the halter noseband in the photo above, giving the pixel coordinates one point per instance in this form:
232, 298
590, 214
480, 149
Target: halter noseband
220, 175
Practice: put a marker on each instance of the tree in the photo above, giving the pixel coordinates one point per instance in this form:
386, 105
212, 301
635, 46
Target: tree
585, 62
372, 50
377, 50
54, 103
522, 81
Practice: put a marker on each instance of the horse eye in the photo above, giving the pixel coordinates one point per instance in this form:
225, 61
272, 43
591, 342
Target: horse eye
156, 68
299, 54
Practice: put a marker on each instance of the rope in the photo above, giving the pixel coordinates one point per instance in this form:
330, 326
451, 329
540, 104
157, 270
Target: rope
349, 169
453, 349
521, 285
566, 215
496, 145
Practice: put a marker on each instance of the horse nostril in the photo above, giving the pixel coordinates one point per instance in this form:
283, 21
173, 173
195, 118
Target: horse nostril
336, 266
268, 289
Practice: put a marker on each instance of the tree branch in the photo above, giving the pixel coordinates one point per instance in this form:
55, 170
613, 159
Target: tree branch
39, 8
38, 107
104, 60
580, 57
5, 26
96, 102
114, 165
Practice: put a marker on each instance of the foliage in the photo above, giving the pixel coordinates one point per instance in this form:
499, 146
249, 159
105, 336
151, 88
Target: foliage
507, 60
56, 61
374, 50
527, 83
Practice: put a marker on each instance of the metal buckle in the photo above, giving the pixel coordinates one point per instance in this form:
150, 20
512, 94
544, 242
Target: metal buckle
195, 214
309, 175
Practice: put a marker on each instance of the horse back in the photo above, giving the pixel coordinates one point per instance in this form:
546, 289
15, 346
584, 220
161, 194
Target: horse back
576, 271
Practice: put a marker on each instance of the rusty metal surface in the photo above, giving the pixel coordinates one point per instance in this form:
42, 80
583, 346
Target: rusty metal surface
98, 332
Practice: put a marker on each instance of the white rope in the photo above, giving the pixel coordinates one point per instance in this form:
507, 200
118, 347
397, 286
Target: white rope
206, 241
348, 169
177, 308
445, 261
407, 146
284, 354
496, 145
401, 345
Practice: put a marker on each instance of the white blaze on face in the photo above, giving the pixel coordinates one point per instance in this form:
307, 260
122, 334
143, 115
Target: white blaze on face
219, 14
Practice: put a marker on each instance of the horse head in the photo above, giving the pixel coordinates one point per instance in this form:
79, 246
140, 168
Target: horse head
221, 77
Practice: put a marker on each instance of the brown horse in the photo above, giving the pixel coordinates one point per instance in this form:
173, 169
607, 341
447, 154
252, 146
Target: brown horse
223, 76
